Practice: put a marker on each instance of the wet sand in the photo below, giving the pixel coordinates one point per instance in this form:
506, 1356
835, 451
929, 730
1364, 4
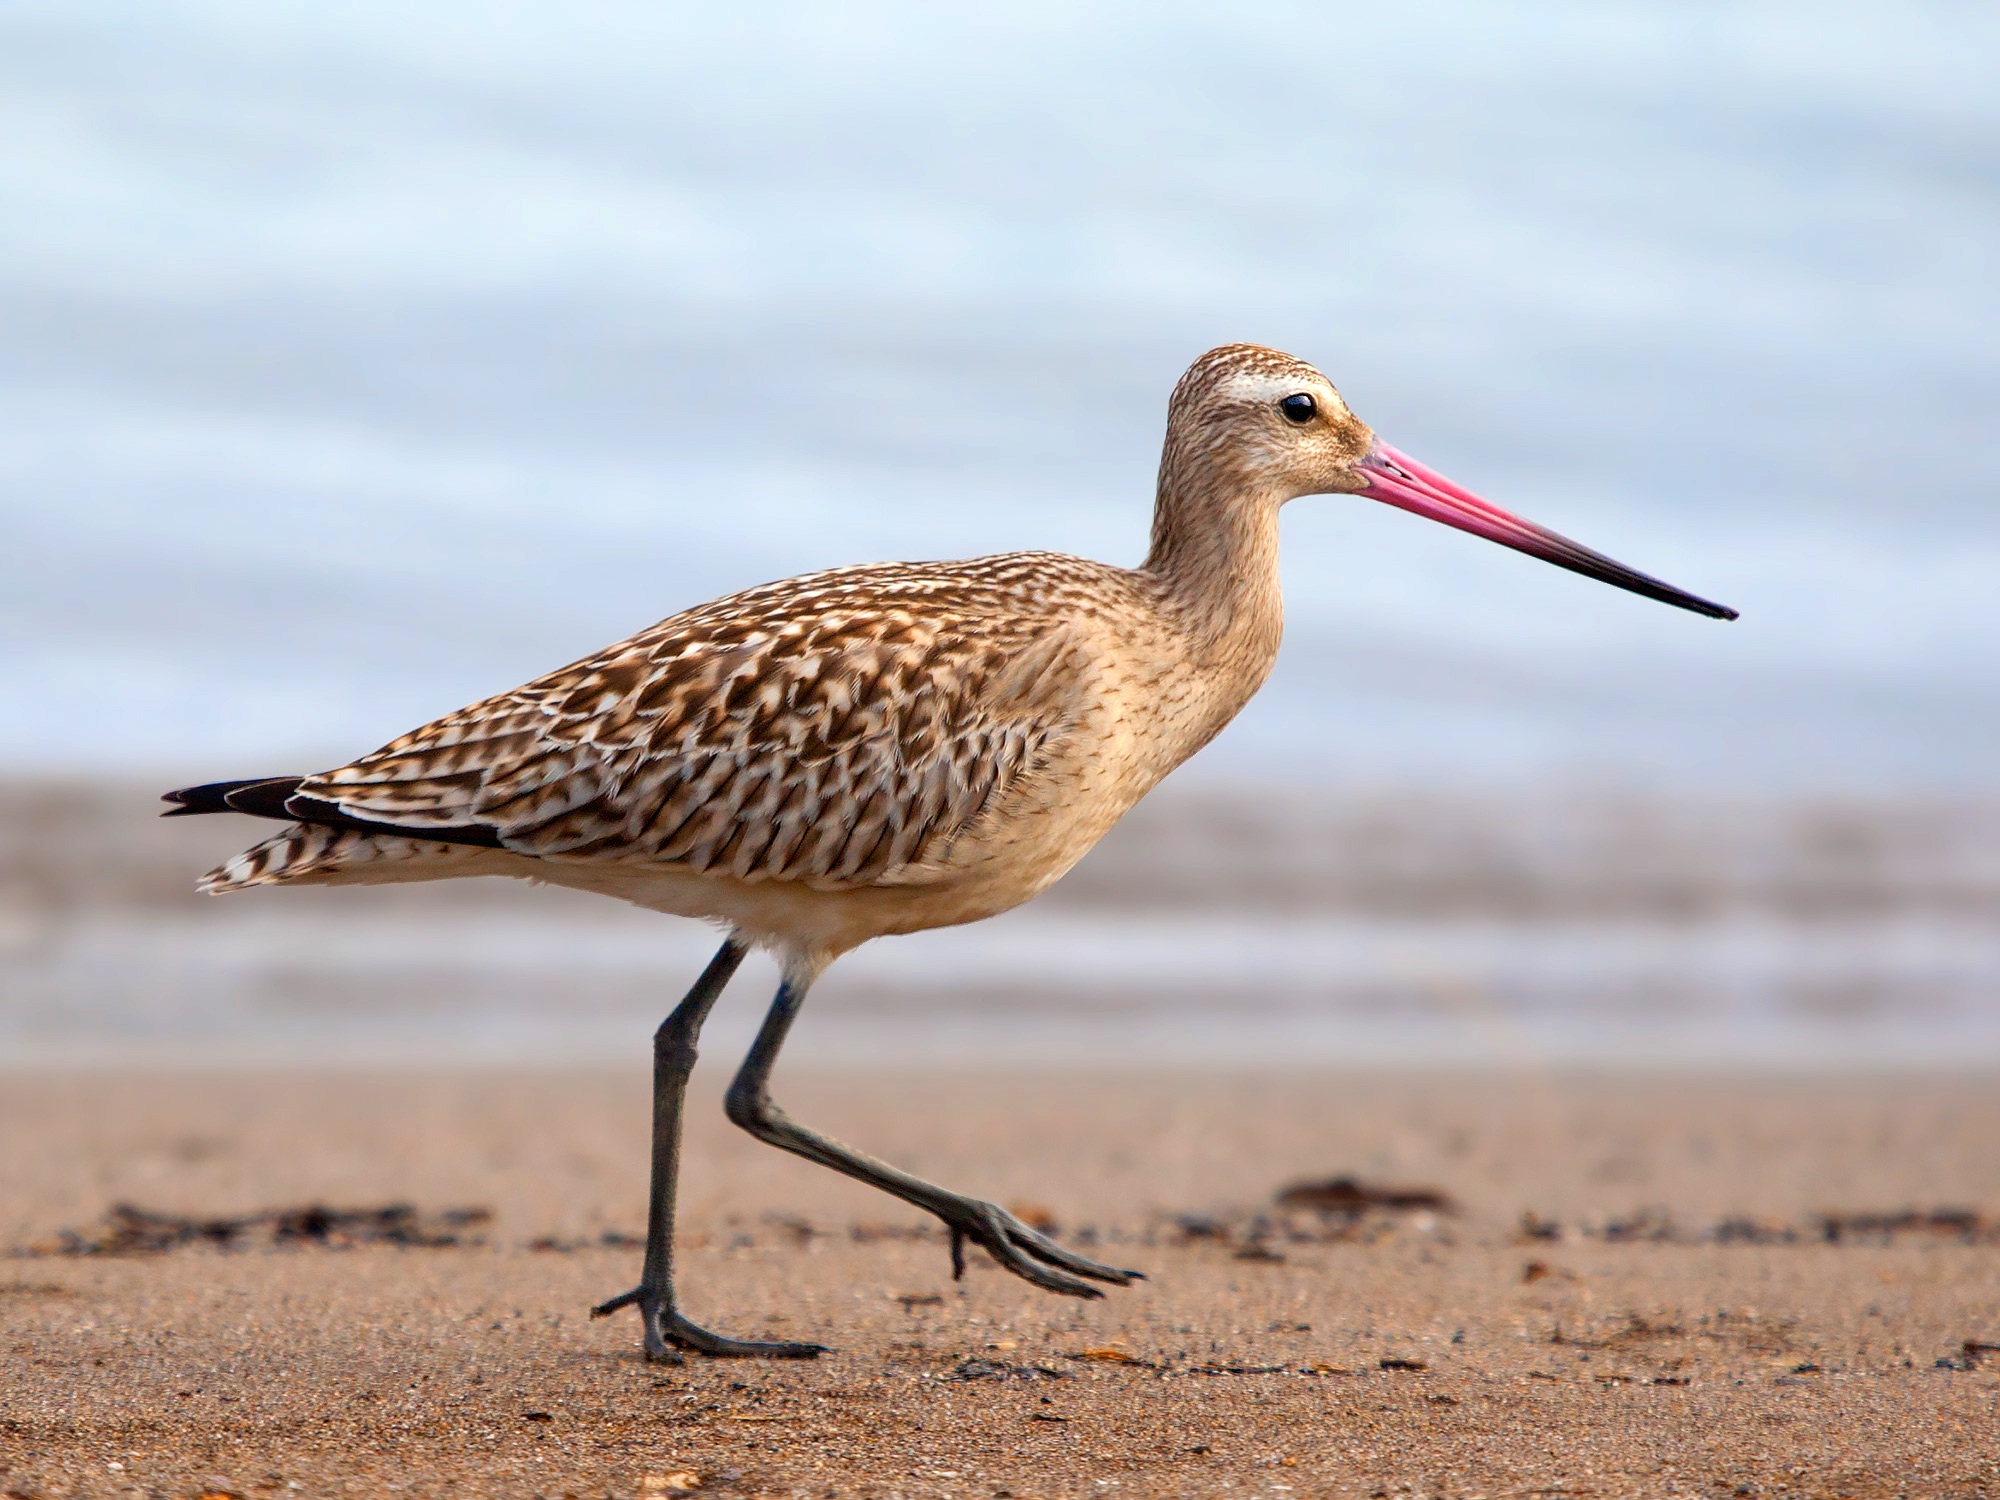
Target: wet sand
1672, 1319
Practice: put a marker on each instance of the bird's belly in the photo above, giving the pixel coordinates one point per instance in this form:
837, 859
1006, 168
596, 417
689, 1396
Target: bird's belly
1015, 857
1027, 841
791, 916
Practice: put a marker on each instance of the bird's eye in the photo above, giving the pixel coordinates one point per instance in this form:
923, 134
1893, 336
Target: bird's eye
1298, 409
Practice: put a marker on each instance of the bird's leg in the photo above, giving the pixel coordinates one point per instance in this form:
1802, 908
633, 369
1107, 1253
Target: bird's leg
1028, 1254
667, 1332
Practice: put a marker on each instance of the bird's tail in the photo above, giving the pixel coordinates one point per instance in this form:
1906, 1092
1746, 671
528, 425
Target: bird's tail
300, 851
260, 796
314, 854
327, 845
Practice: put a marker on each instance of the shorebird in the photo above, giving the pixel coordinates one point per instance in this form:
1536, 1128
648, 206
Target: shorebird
874, 750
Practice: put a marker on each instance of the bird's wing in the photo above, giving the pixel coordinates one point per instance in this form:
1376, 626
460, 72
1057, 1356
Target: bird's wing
838, 730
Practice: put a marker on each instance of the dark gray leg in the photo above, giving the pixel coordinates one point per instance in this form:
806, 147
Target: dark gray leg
667, 1332
1029, 1255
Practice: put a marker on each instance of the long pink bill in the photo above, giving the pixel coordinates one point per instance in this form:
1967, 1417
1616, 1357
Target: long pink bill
1396, 479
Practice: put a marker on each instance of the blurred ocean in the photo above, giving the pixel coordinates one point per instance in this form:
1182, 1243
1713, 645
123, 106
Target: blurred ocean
1208, 929
358, 361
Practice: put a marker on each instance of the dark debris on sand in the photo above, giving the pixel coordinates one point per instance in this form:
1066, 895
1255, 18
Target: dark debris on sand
1971, 1355
128, 1230
1318, 1212
1655, 1226
609, 1239
1964, 1225
1000, 1369
1351, 1197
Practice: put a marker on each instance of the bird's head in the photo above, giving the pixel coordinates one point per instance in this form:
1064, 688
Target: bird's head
1265, 423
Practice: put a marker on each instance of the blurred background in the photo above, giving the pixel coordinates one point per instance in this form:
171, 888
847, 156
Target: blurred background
356, 362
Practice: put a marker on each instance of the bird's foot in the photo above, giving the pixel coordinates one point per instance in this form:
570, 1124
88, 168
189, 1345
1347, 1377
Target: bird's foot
1026, 1252
668, 1333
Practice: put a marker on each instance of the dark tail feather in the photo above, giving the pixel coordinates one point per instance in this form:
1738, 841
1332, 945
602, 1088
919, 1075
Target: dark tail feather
277, 797
260, 796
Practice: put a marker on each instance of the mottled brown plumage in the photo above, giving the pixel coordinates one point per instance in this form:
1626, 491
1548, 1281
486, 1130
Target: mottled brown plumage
871, 749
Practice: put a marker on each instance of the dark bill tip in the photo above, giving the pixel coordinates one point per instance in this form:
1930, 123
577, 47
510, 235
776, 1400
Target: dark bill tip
1396, 479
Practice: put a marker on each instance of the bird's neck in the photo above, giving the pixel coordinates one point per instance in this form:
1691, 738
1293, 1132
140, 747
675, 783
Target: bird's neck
1215, 550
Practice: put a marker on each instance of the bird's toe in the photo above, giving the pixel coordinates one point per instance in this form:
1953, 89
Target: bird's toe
1033, 1242
686, 1335
1014, 1246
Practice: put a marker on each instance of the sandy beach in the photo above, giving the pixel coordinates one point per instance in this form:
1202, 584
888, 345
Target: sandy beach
1634, 1286
1546, 1044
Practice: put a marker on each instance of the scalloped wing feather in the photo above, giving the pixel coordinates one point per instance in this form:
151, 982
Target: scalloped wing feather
841, 730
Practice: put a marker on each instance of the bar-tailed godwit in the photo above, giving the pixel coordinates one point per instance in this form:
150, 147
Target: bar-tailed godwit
874, 750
